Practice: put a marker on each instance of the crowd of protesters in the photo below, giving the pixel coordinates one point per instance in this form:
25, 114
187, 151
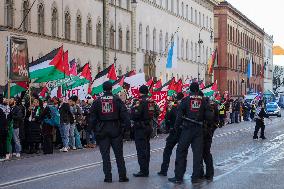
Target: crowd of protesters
31, 126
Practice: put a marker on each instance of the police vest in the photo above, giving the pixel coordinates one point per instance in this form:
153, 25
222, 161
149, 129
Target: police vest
109, 110
222, 109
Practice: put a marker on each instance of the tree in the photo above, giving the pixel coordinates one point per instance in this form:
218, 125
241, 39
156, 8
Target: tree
278, 78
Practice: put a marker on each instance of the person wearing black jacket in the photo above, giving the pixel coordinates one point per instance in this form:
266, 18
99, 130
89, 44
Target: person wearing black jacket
17, 117
259, 119
108, 115
3, 128
66, 118
190, 117
173, 137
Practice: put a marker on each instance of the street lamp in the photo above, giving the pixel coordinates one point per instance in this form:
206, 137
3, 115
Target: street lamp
200, 41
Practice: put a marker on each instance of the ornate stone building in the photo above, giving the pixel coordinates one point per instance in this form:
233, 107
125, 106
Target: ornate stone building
268, 62
136, 37
237, 39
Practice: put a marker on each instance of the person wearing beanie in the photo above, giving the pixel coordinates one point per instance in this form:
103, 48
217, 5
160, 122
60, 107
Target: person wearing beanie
173, 137
190, 116
143, 111
109, 117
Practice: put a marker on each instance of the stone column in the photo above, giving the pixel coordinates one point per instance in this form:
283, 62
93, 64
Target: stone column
133, 38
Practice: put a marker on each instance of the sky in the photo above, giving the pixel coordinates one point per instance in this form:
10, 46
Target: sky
266, 14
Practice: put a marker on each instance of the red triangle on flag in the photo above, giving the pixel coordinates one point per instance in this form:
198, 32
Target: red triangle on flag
112, 73
158, 84
86, 72
215, 86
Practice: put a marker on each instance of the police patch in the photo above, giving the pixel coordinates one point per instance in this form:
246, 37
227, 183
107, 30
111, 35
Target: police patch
195, 105
107, 107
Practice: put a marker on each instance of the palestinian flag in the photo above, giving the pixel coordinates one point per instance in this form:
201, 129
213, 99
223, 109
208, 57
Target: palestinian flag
50, 67
179, 86
83, 78
169, 86
108, 74
17, 88
210, 90
158, 84
118, 86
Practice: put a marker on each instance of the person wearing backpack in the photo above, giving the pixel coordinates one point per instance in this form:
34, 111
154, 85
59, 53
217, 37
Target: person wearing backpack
50, 120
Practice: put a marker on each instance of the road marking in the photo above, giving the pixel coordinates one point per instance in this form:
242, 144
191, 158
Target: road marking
91, 165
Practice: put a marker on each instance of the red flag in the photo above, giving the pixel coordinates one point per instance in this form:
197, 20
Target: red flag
215, 86
179, 85
150, 83
172, 84
112, 73
86, 72
201, 86
43, 92
158, 84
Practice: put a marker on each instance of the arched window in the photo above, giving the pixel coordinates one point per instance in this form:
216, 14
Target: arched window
167, 4
140, 36
120, 39
154, 41
89, 32
54, 23
167, 41
161, 42
191, 14
40, 19
178, 51
182, 49
172, 5
186, 12
206, 21
10, 13
195, 52
182, 9
128, 4
67, 25
177, 7
186, 50
111, 37
99, 34
195, 20
26, 7
79, 28
191, 50
127, 40
119, 3
147, 38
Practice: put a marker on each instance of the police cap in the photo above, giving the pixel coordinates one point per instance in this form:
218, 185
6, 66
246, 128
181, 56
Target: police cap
144, 89
107, 86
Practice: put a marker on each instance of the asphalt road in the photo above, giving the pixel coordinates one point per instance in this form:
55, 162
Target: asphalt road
240, 163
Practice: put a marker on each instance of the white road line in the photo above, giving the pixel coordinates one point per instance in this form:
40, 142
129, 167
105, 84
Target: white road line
91, 165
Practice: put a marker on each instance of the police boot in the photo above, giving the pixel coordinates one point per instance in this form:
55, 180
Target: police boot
162, 173
108, 180
123, 179
175, 180
140, 174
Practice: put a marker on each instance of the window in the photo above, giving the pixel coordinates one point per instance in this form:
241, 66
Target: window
140, 36
186, 50
195, 52
26, 15
191, 50
167, 4
147, 38
127, 40
177, 7
161, 42
119, 3
210, 22
186, 12
79, 29
10, 13
172, 5
120, 39
54, 23
199, 20
167, 41
67, 25
182, 49
203, 20
161, 2
89, 31
191, 14
111, 38
206, 21
99, 33
195, 21
154, 40
40, 19
182, 9
128, 4
178, 47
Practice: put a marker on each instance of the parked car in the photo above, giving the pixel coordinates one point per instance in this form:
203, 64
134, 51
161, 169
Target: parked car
272, 109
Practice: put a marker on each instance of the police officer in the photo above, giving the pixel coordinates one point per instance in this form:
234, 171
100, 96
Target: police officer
143, 111
107, 115
222, 114
259, 119
190, 116
173, 137
210, 125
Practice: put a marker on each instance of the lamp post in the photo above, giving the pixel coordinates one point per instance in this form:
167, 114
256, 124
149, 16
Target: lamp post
200, 41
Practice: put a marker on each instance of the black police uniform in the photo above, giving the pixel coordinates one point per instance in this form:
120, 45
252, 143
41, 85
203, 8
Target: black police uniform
210, 125
259, 122
107, 113
171, 140
190, 116
142, 114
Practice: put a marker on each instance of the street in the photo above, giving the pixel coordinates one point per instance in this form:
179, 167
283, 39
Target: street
240, 162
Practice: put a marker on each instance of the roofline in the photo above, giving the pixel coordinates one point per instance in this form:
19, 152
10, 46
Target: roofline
231, 7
